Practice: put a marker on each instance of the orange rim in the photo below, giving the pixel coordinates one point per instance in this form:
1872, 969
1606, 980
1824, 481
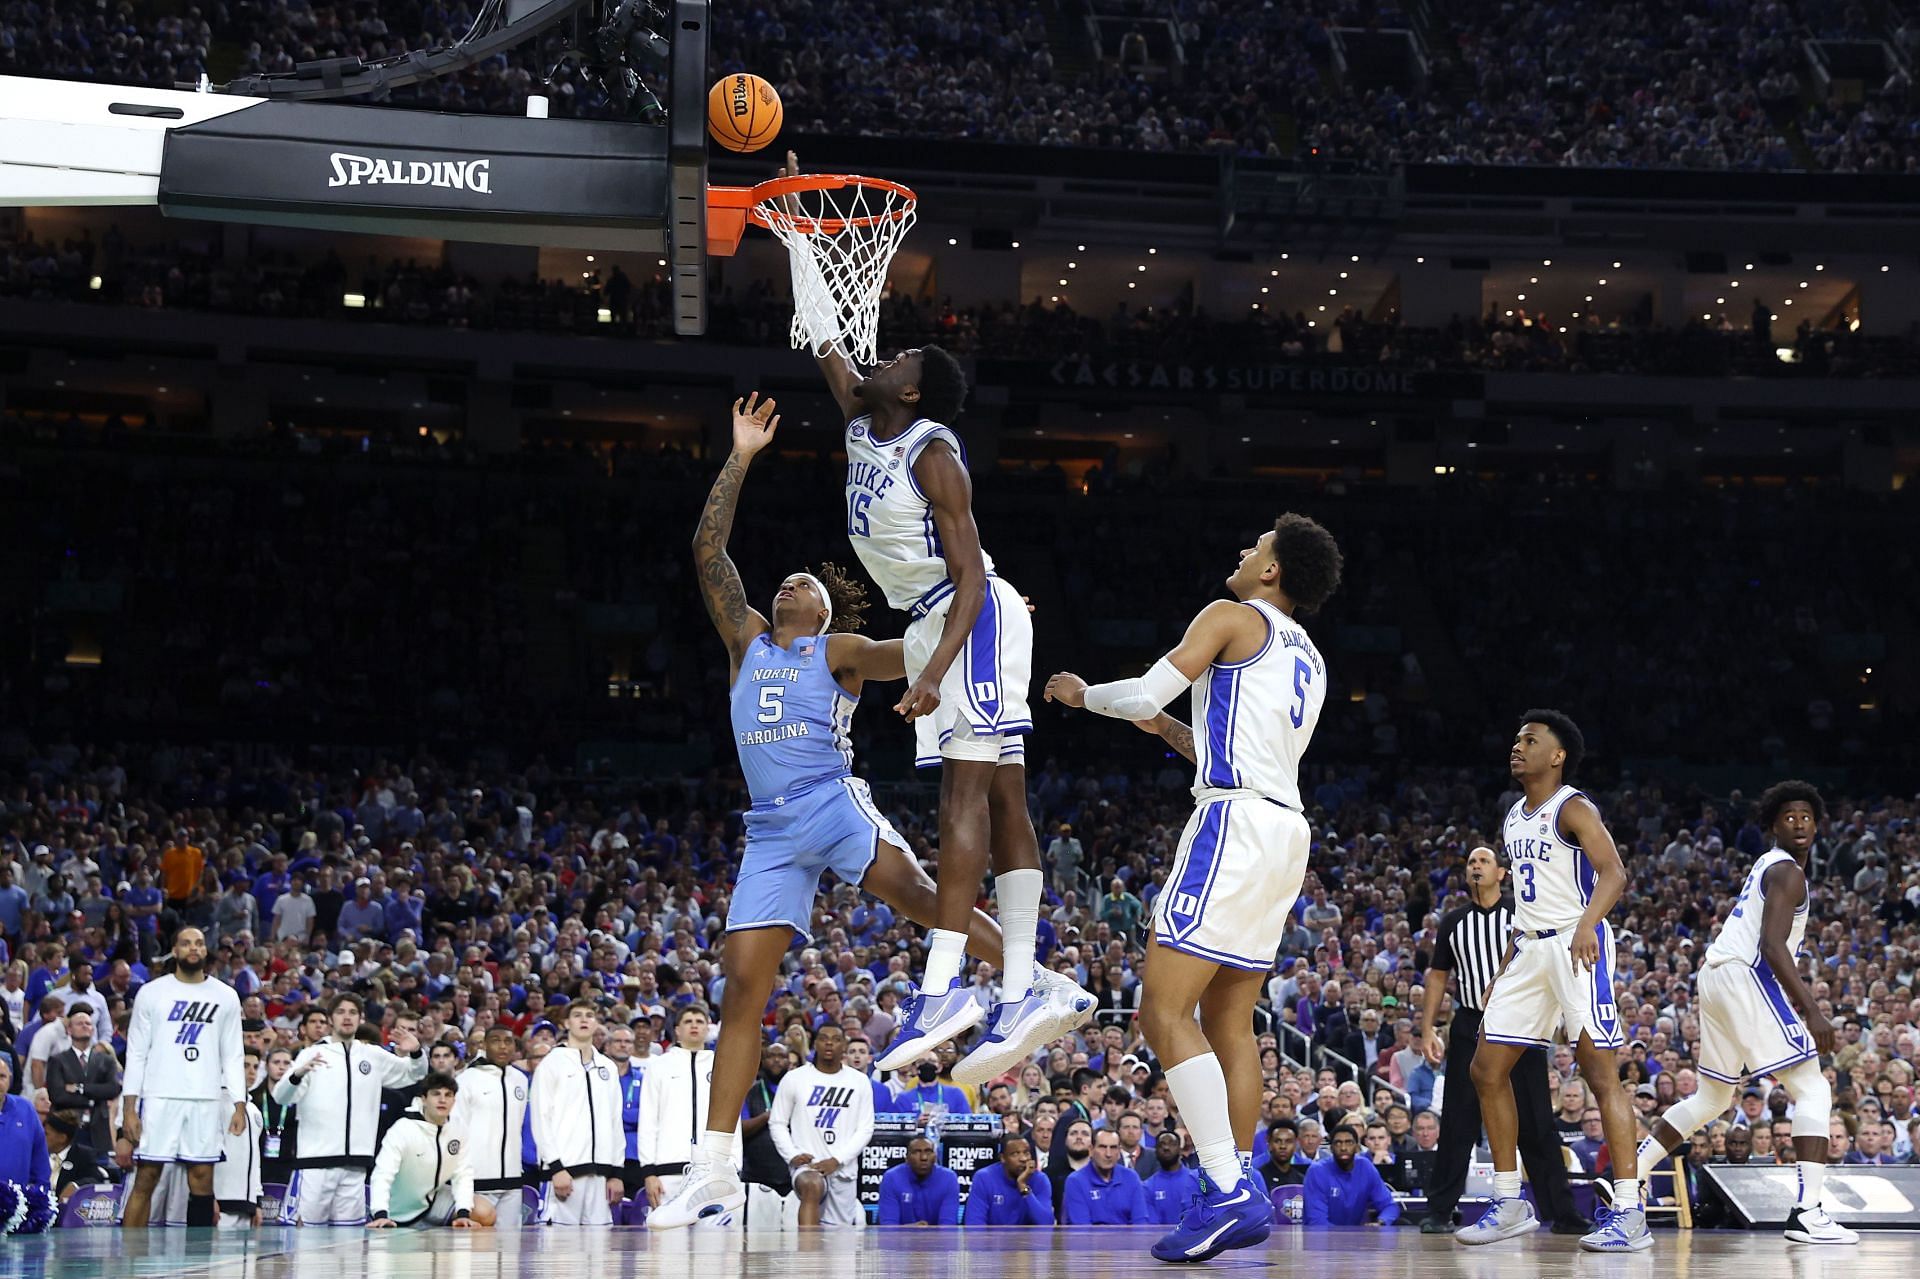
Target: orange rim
754, 199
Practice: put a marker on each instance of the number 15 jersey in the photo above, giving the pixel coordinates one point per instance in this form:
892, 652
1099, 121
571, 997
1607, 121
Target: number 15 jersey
1551, 875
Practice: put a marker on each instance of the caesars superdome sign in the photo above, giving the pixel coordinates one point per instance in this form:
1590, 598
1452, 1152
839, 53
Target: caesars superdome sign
1321, 379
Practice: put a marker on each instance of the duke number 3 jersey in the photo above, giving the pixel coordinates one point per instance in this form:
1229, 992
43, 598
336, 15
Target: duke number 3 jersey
889, 520
791, 718
1551, 874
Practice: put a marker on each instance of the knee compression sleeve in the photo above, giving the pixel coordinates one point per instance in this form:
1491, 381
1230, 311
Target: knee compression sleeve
1812, 1098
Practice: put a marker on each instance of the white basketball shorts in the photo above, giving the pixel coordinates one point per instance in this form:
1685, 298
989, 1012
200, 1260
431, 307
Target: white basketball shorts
586, 1204
331, 1196
841, 1204
183, 1130
1541, 992
1234, 880
1747, 1026
983, 713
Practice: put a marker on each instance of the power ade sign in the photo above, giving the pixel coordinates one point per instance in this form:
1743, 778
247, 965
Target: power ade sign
966, 1144
452, 175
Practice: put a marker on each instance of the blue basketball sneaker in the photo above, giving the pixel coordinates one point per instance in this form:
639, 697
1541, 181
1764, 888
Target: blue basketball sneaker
1223, 1219
928, 1021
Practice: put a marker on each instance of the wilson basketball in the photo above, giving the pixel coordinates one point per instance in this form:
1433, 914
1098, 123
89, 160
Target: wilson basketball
744, 113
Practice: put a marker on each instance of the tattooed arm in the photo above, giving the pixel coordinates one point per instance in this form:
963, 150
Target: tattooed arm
1177, 735
720, 586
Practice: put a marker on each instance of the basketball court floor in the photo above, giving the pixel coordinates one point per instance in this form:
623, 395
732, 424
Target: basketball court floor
896, 1253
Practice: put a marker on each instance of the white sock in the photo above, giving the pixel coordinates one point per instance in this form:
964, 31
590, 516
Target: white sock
718, 1147
1506, 1185
1019, 893
1811, 1175
946, 951
1626, 1194
1651, 1153
1246, 1160
1200, 1090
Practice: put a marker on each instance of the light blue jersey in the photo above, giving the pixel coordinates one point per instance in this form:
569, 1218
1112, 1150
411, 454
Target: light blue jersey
810, 814
791, 719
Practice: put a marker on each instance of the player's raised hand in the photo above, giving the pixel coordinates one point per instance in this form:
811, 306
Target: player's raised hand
407, 1042
1586, 950
754, 422
1067, 689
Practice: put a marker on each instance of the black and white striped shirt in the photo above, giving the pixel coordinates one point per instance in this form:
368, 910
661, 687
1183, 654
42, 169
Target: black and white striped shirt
1471, 944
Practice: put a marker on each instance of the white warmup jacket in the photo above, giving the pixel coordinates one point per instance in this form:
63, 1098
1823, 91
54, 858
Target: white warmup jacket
491, 1108
236, 1180
340, 1101
576, 1114
674, 1097
416, 1159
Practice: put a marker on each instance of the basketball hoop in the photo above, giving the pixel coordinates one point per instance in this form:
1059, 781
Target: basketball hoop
840, 232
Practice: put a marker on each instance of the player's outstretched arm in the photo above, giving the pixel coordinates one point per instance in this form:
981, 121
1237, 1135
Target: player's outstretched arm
857, 659
1172, 731
835, 365
754, 422
1580, 819
1218, 626
1785, 887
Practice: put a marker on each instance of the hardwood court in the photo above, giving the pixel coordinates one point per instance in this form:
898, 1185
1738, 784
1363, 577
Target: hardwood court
895, 1253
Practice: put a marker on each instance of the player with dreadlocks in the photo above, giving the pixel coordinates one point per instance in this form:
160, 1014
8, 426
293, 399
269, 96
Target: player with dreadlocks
796, 681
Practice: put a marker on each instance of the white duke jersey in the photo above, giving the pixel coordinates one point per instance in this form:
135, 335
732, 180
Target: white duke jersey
1552, 876
184, 1041
1739, 937
1252, 719
826, 1116
889, 520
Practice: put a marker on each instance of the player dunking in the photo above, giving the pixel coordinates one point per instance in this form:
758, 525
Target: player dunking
1747, 1024
796, 681
1567, 875
969, 656
1258, 683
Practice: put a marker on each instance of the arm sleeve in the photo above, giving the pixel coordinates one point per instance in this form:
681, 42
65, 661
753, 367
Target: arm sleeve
385, 1168
1076, 1211
233, 1067
780, 1119
139, 1027
103, 1089
462, 1182
1313, 1200
537, 1090
645, 1146
1382, 1196
40, 1170
1142, 698
862, 1130
1039, 1200
403, 1072
889, 1201
948, 1213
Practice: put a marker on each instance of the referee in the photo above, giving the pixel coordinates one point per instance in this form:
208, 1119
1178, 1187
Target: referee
1472, 942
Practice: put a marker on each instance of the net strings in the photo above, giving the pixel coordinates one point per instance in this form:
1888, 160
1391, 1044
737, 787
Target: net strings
839, 272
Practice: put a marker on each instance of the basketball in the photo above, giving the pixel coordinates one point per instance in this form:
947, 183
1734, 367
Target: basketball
744, 113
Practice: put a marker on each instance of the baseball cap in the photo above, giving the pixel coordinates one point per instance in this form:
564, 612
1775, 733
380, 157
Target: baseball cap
1645, 1090
544, 1024
345, 957
41, 850
362, 880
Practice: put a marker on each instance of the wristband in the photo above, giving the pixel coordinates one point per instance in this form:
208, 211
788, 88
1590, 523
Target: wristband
462, 1215
380, 1215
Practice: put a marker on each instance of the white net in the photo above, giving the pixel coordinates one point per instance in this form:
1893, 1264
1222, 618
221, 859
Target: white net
839, 241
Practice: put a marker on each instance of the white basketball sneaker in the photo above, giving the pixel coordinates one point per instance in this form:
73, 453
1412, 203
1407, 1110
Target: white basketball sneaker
710, 1195
1055, 1006
1814, 1225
